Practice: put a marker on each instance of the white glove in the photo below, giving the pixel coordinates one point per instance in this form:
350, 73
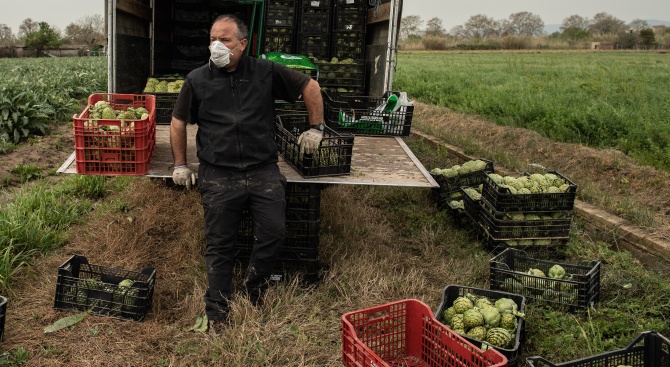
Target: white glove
182, 175
309, 141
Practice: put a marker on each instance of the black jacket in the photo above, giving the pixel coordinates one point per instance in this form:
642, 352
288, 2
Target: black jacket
235, 111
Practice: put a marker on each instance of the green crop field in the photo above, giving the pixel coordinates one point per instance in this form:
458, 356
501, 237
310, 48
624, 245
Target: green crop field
600, 99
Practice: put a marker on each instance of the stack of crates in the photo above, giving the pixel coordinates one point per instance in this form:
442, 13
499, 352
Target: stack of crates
529, 220
300, 252
345, 70
451, 188
349, 23
190, 35
314, 29
280, 26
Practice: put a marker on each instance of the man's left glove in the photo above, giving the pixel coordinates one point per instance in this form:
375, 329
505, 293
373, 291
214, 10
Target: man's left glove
182, 175
310, 140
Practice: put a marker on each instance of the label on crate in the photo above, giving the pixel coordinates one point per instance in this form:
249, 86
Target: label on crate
350, 2
315, 4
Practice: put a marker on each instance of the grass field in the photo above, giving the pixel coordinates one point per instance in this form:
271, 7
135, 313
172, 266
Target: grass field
600, 99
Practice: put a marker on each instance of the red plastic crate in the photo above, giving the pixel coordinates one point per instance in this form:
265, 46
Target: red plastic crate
111, 146
405, 333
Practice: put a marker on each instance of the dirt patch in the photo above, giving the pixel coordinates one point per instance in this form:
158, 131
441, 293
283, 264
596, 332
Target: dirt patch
45, 152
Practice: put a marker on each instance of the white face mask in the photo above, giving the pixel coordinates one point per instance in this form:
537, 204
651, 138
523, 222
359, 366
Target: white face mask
220, 53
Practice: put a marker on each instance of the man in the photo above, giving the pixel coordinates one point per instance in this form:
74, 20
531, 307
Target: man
232, 101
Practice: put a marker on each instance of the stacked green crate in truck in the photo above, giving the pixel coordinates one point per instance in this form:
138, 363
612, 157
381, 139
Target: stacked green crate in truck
530, 221
300, 252
314, 29
280, 26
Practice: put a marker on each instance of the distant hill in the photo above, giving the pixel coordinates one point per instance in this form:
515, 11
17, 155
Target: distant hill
551, 28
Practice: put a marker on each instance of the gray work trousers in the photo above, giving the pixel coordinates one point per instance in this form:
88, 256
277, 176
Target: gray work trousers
225, 194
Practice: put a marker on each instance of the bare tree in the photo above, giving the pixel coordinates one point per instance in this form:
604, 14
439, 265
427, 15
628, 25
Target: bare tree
638, 24
481, 26
604, 23
88, 30
434, 27
575, 22
27, 26
525, 24
410, 25
6, 36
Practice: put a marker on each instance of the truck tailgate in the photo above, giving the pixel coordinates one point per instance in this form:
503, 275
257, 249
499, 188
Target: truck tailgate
383, 161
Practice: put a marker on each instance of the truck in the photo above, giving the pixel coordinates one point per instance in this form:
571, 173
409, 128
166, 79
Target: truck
147, 38
168, 37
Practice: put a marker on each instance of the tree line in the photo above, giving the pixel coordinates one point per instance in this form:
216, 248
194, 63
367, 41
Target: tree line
573, 29
88, 30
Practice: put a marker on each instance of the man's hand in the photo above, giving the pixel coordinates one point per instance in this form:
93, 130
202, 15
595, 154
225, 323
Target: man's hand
182, 175
309, 141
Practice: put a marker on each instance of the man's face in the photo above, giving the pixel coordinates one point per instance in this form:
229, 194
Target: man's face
225, 31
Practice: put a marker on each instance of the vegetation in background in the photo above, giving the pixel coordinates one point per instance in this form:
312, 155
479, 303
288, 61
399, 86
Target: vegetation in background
37, 93
604, 100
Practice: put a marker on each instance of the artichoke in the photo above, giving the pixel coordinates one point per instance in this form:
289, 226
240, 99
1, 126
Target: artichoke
483, 303
472, 318
492, 317
448, 314
507, 305
513, 286
509, 322
556, 272
457, 322
477, 332
462, 304
499, 337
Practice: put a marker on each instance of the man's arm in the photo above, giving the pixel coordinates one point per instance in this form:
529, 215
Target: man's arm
314, 102
178, 140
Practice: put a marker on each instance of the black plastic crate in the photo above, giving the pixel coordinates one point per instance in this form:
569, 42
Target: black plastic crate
338, 73
471, 206
3, 314
454, 184
83, 286
331, 158
364, 115
287, 108
350, 18
314, 45
316, 21
313, 5
508, 272
537, 248
451, 292
503, 200
498, 227
348, 45
279, 39
649, 349
280, 13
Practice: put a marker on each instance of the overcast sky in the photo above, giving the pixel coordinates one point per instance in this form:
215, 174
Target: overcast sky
61, 13
453, 13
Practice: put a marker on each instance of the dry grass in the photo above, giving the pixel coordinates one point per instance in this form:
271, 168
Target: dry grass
367, 259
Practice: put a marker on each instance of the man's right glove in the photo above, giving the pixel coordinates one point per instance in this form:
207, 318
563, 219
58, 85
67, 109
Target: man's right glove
182, 175
309, 141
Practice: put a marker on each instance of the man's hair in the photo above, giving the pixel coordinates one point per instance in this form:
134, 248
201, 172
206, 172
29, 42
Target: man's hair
242, 30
